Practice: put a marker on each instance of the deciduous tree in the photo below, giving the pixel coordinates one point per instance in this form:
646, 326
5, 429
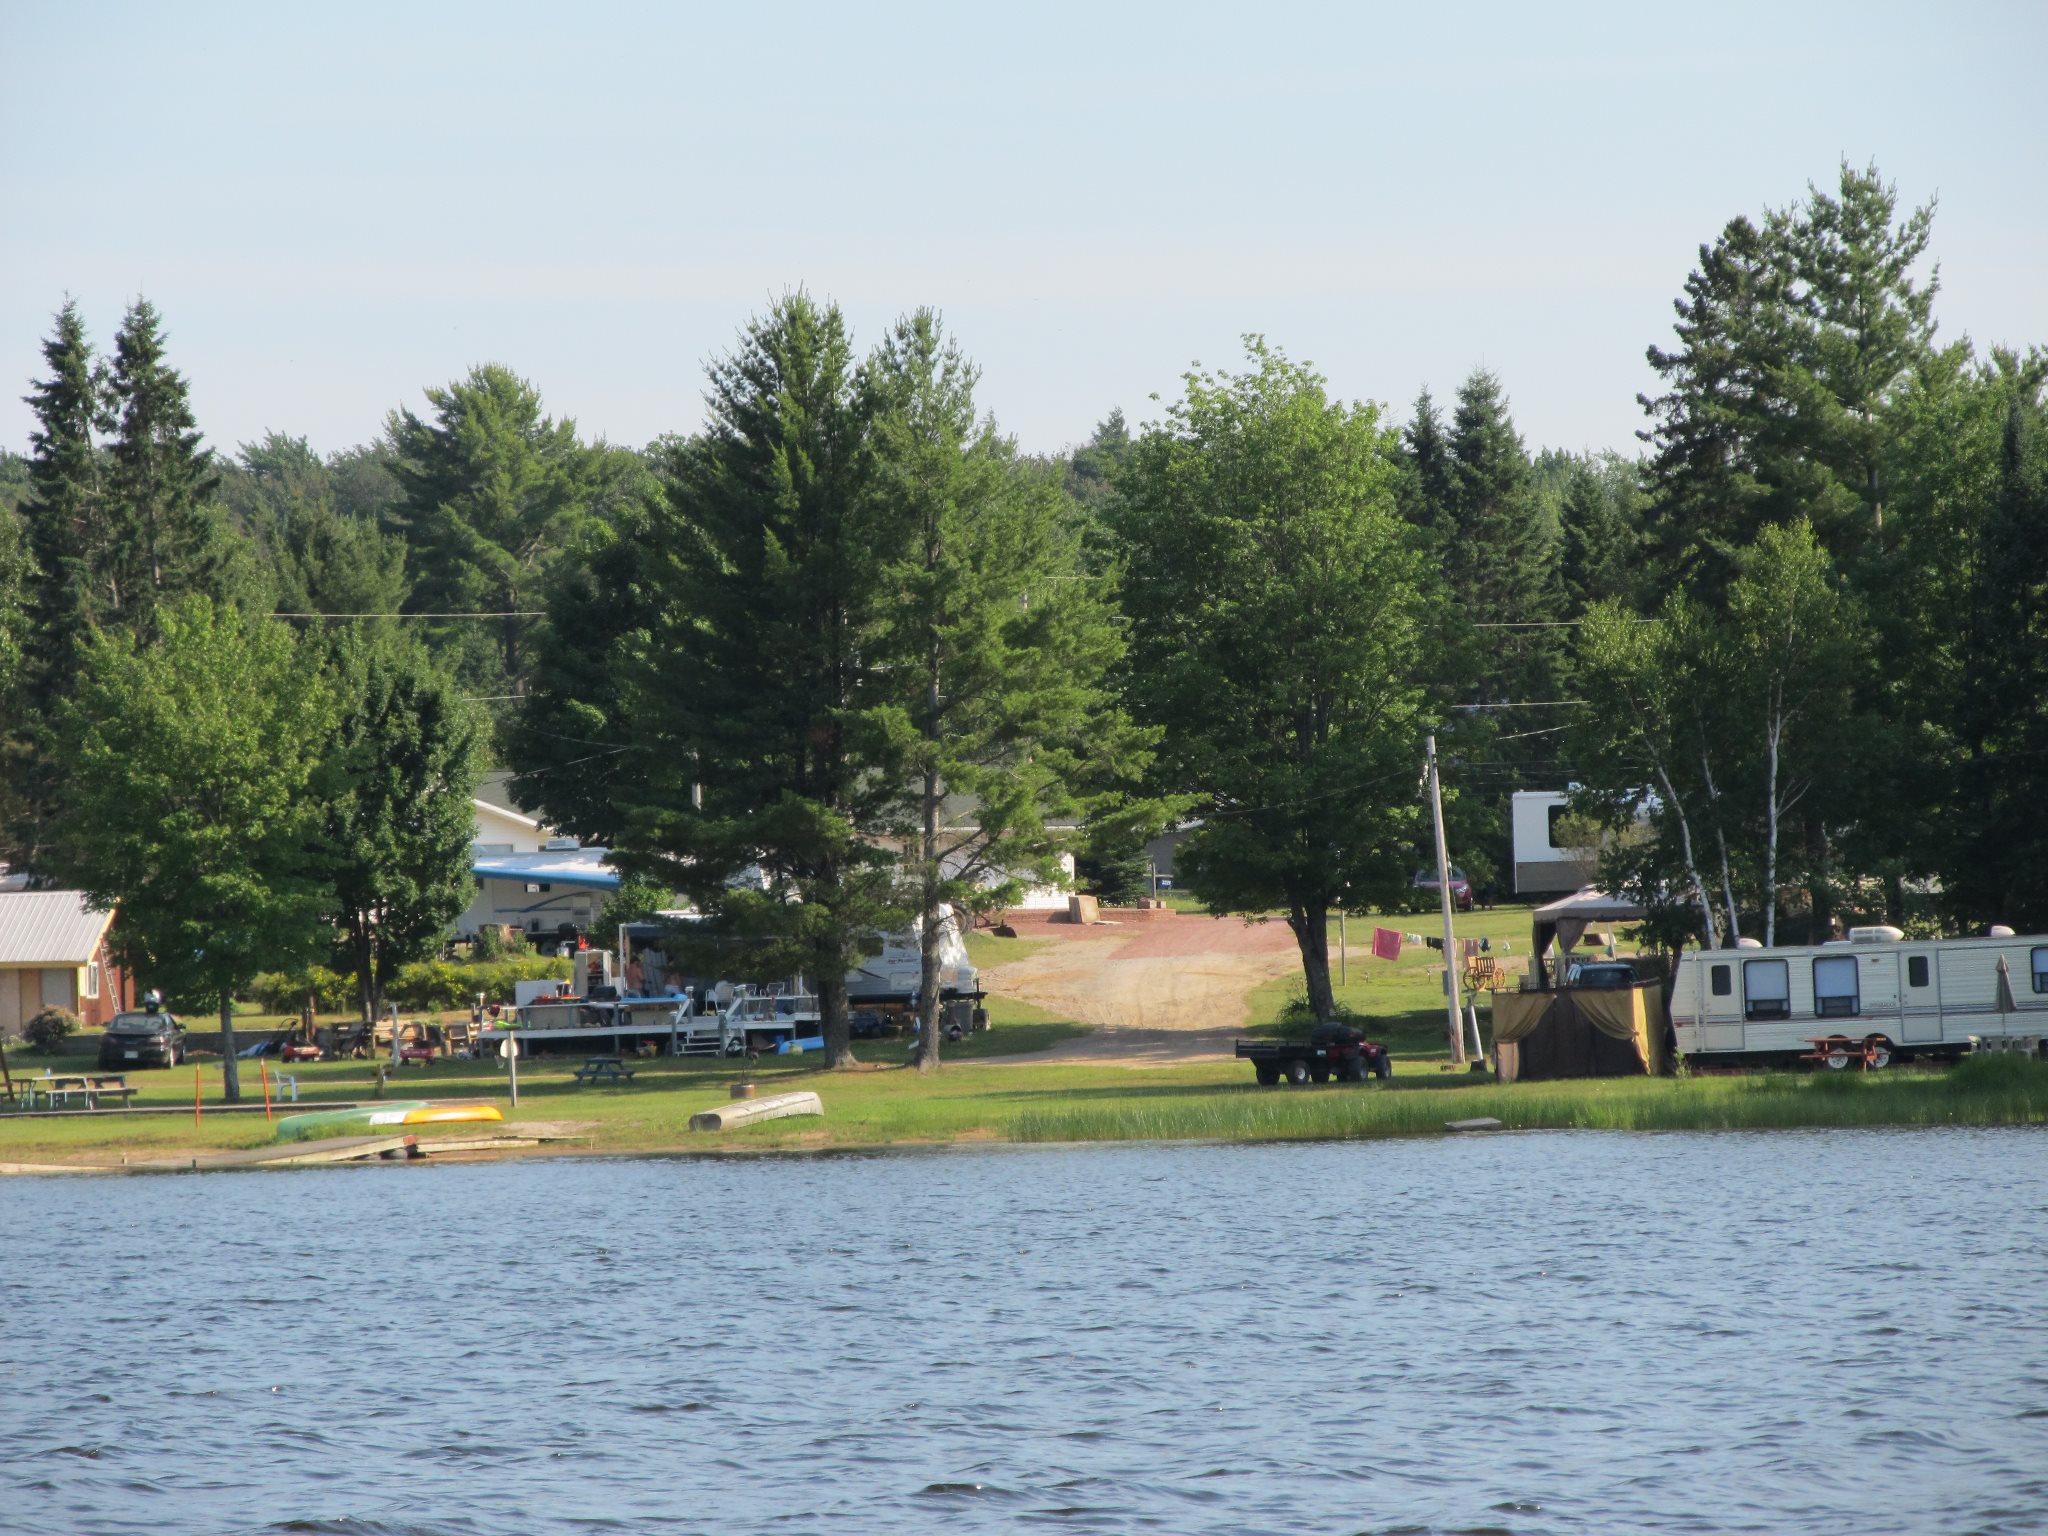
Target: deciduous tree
190, 800
1275, 602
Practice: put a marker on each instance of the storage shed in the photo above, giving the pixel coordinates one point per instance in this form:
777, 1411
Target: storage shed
53, 954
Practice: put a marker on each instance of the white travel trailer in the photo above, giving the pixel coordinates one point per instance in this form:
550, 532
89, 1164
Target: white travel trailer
1875, 997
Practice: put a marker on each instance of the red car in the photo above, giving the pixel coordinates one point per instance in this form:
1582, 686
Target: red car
1424, 884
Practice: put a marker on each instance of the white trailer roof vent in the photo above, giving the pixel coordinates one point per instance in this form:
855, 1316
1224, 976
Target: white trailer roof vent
1876, 933
1998, 931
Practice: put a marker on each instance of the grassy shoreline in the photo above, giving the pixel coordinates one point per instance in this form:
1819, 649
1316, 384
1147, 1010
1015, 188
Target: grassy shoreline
1019, 1101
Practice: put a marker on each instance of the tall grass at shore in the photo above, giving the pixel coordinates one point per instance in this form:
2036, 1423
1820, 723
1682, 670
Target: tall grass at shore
1993, 1091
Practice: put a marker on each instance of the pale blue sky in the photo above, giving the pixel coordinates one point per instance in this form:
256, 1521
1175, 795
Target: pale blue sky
337, 206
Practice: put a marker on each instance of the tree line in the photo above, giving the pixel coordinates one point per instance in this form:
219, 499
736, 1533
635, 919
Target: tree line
846, 655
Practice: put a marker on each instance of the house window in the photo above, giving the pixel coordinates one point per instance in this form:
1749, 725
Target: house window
1721, 979
1916, 970
57, 989
1834, 987
92, 978
1767, 989
2041, 969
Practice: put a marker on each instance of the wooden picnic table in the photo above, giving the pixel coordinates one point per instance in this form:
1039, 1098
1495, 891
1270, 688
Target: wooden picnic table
604, 1069
57, 1088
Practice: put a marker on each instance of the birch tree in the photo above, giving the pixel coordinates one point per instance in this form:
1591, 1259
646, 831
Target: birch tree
1799, 644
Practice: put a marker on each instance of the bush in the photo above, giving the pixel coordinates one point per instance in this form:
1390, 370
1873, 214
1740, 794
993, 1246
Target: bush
445, 984
285, 991
46, 1031
497, 942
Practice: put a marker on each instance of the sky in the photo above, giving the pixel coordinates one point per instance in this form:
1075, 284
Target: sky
335, 207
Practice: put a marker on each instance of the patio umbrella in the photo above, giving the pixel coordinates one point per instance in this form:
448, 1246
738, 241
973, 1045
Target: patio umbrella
2005, 1000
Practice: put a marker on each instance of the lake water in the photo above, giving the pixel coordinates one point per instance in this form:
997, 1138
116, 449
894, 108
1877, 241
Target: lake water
1790, 1332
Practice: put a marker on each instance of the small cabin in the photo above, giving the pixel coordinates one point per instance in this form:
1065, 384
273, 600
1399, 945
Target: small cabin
54, 954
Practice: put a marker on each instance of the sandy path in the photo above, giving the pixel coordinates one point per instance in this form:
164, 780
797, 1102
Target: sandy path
1172, 990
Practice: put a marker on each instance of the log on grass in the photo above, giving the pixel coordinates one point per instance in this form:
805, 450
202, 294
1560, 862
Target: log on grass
750, 1111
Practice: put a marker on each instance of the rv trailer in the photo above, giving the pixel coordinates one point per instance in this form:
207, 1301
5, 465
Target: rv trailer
1876, 997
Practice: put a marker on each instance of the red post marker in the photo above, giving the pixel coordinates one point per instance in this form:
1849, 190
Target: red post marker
263, 1066
195, 1095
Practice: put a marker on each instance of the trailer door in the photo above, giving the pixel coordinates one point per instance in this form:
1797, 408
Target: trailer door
1880, 986
1919, 999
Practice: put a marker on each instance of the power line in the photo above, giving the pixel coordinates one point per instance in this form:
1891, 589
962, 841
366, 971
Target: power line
510, 613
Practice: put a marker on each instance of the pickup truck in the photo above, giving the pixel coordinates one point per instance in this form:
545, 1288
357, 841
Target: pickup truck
1332, 1050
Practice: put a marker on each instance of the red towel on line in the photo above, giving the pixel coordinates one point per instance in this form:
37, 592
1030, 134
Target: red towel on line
1386, 944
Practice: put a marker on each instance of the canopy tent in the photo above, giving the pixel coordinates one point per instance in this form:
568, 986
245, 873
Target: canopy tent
1566, 921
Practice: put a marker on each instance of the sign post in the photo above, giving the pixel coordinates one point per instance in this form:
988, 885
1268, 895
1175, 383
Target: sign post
509, 1049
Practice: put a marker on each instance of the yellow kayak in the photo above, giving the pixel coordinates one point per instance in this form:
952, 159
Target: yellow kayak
450, 1113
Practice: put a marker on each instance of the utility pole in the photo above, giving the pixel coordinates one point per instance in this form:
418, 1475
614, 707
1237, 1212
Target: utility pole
1455, 1013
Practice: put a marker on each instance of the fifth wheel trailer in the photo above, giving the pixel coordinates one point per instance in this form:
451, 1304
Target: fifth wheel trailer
1885, 996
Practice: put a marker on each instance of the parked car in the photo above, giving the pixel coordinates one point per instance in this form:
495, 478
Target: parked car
142, 1040
1424, 884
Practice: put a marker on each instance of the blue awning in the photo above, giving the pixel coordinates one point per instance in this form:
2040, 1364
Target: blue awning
567, 866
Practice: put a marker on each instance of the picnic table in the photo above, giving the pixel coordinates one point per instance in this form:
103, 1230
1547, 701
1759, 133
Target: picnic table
61, 1088
604, 1069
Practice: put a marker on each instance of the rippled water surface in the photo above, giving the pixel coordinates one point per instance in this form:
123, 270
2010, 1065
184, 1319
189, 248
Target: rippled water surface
1841, 1332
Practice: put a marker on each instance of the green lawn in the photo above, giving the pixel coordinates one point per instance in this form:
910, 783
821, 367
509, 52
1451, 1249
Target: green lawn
986, 950
1024, 1101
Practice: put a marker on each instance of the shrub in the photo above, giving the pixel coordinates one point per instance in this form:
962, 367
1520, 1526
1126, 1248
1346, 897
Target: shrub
285, 991
46, 1031
497, 942
445, 984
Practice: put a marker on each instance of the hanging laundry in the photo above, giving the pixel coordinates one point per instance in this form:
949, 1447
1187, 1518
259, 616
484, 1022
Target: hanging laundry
1386, 944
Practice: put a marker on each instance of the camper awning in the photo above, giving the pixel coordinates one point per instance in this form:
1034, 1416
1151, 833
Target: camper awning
566, 866
1567, 920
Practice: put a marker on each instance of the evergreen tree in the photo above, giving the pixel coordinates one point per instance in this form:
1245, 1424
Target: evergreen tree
1599, 537
494, 492
69, 522
321, 559
67, 534
1502, 558
1722, 383
1003, 642
1092, 471
760, 705
1426, 489
1994, 850
168, 538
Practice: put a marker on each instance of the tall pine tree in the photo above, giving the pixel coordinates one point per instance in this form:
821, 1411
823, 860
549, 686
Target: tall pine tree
167, 538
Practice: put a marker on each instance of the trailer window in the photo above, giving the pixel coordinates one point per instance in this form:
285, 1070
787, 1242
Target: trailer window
1719, 980
2041, 969
1767, 989
1834, 987
1916, 970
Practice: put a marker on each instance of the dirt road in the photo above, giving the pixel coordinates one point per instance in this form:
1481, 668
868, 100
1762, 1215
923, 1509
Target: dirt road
1172, 989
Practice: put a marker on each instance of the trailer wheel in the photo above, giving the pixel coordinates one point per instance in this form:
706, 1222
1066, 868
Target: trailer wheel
1877, 1053
1835, 1054
1297, 1074
1267, 1074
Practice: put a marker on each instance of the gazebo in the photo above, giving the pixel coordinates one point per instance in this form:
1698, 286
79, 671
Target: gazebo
1567, 920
